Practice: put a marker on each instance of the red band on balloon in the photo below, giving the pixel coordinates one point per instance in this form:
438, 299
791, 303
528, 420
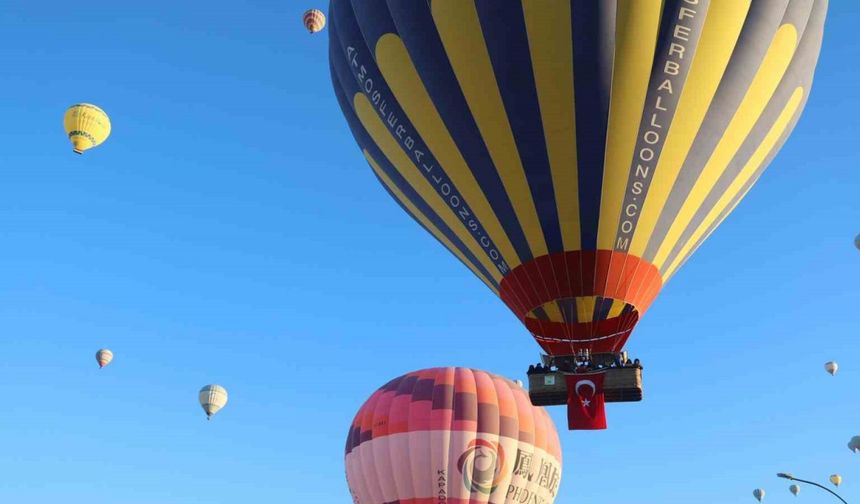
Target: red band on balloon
605, 273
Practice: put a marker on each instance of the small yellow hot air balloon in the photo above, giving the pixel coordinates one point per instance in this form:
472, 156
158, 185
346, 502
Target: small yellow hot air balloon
87, 126
836, 479
314, 20
794, 489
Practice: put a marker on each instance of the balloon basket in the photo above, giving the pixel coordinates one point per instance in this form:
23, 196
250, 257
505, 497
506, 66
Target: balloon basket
549, 388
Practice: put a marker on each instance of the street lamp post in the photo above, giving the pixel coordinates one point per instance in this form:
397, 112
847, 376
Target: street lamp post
788, 476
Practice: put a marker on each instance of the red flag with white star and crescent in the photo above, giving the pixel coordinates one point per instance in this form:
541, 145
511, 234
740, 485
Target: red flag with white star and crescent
585, 405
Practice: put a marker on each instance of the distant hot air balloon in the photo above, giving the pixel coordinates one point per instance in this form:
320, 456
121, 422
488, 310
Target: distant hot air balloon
212, 399
758, 493
573, 155
103, 357
836, 479
857, 241
854, 444
453, 435
314, 20
831, 367
87, 126
794, 489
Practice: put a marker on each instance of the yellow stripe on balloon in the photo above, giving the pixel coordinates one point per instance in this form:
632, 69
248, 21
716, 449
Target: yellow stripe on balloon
404, 81
615, 310
551, 46
424, 220
744, 176
409, 171
766, 79
719, 35
553, 312
635, 39
585, 308
460, 30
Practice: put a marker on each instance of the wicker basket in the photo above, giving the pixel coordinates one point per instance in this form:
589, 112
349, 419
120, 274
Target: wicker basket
619, 385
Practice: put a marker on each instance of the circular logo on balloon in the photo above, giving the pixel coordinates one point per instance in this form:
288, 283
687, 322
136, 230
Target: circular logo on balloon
482, 466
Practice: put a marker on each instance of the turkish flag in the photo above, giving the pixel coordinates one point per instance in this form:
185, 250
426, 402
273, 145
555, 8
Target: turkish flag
585, 406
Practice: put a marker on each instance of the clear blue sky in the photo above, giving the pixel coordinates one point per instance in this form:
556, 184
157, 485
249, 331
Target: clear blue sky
230, 232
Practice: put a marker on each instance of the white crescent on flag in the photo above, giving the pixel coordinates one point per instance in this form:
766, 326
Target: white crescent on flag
585, 382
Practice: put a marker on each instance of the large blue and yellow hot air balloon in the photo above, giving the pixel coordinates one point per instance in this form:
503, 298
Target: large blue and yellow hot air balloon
572, 154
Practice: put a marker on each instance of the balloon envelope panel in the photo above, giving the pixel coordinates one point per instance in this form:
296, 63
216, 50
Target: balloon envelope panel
572, 154
452, 435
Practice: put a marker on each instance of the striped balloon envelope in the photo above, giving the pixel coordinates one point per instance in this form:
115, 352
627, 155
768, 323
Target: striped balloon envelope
104, 357
452, 435
314, 20
573, 154
212, 398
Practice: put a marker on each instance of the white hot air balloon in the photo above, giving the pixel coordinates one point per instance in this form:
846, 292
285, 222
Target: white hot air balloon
836, 479
794, 489
212, 399
854, 444
103, 357
831, 367
758, 493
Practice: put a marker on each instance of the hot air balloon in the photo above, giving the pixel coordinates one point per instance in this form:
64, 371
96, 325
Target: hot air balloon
836, 479
212, 399
453, 435
794, 489
854, 444
857, 241
87, 126
103, 357
758, 493
314, 20
573, 155
831, 367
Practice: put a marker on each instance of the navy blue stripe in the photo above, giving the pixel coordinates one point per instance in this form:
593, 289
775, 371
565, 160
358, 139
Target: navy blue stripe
592, 65
504, 27
568, 308
342, 92
373, 20
356, 59
540, 314
601, 308
418, 32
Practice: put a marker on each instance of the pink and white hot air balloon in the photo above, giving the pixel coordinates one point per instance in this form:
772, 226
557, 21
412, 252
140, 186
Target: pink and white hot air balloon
452, 435
314, 20
103, 357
